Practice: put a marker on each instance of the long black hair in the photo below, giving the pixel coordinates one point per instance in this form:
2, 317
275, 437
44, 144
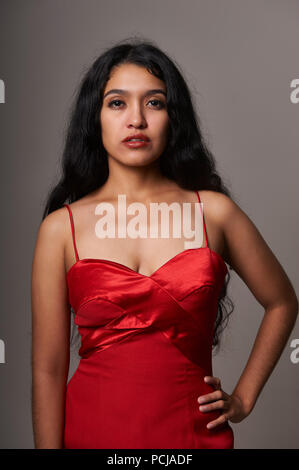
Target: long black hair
185, 160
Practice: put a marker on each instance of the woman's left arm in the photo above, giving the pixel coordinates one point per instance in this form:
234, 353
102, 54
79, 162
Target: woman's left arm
251, 258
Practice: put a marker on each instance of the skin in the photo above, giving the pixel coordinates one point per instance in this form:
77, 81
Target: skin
149, 113
135, 173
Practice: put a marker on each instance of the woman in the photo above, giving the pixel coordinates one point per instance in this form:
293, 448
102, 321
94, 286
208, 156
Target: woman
149, 310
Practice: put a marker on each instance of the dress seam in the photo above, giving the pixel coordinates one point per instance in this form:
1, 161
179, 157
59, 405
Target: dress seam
97, 297
192, 422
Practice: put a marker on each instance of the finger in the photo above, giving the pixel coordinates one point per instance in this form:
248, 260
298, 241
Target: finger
222, 419
220, 404
217, 395
215, 381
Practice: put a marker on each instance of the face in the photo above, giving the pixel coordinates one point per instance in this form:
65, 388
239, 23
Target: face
133, 109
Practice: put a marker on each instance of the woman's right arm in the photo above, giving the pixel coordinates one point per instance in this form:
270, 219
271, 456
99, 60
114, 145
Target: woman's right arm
50, 332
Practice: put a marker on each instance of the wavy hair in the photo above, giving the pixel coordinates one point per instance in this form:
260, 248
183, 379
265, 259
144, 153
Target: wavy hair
185, 160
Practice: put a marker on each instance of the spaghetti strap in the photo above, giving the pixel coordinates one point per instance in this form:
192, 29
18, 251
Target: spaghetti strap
203, 220
73, 230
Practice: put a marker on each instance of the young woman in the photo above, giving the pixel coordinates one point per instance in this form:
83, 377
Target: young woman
148, 309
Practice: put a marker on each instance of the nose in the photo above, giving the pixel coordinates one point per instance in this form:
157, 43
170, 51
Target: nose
136, 116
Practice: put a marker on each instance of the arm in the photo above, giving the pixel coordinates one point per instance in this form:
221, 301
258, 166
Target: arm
50, 333
252, 259
247, 253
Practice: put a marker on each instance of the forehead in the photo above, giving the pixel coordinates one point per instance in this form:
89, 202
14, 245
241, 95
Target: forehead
133, 78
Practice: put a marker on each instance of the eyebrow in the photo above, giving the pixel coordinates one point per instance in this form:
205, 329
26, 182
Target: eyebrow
126, 92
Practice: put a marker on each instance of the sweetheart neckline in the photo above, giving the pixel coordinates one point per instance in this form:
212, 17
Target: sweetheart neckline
120, 265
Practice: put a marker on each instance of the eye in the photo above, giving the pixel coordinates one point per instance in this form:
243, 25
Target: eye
161, 104
114, 103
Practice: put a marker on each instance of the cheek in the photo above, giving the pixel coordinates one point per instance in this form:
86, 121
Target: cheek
109, 128
161, 124
164, 131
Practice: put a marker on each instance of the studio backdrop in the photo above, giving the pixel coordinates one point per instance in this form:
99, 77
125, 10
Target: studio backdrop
240, 60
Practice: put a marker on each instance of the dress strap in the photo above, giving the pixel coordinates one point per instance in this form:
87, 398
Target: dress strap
73, 230
203, 220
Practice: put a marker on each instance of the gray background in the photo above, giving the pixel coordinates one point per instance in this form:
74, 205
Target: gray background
238, 58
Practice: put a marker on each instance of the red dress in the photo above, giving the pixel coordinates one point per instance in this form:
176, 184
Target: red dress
146, 345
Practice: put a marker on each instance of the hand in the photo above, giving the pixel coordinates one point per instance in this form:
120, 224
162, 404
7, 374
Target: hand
234, 408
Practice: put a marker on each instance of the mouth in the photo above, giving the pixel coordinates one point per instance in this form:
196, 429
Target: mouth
136, 140
135, 143
138, 137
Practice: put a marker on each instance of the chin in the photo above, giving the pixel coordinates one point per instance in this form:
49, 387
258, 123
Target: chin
136, 160
139, 161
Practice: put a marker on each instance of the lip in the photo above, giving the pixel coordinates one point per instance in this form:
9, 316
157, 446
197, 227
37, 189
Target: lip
137, 136
134, 145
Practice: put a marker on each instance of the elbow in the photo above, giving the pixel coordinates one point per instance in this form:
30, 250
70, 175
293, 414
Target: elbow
287, 305
291, 307
296, 306
293, 303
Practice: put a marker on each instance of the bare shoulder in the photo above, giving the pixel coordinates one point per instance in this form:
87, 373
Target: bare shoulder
54, 225
226, 221
218, 206
49, 296
51, 238
247, 252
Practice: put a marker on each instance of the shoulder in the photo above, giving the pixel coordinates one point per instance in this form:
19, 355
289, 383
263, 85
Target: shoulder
53, 232
55, 223
218, 206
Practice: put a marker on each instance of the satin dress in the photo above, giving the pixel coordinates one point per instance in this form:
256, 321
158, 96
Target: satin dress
146, 345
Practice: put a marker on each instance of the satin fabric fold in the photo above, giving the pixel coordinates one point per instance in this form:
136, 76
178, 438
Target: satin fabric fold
149, 335
108, 316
